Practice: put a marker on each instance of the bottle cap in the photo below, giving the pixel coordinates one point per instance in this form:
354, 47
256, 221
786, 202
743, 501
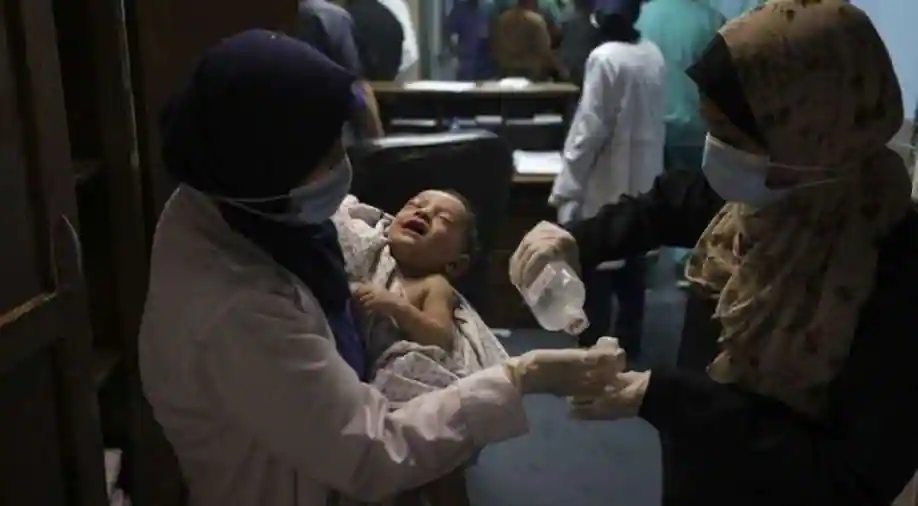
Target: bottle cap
605, 341
577, 322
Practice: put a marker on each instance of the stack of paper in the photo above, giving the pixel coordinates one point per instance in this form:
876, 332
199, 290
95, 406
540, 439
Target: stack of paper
538, 162
454, 86
514, 83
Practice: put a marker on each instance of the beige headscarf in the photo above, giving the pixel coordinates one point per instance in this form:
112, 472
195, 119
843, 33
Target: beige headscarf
791, 278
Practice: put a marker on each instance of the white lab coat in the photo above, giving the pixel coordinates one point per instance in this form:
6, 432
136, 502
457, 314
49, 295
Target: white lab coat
615, 143
241, 369
410, 52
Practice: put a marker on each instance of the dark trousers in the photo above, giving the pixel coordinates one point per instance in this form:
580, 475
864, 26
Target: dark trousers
627, 285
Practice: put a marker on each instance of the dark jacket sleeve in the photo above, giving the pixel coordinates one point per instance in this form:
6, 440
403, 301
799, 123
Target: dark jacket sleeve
674, 213
865, 451
346, 46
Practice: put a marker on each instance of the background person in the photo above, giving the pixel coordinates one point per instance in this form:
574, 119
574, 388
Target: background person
549, 9
614, 149
330, 29
578, 39
682, 29
522, 44
380, 38
410, 50
467, 38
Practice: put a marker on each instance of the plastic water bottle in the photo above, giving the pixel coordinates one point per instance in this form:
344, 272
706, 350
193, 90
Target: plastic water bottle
556, 299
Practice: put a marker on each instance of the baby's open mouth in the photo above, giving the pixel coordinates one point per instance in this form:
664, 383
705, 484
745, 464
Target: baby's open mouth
416, 225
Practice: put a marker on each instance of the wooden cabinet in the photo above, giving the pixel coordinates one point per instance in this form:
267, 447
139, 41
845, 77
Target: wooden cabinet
528, 206
50, 442
81, 84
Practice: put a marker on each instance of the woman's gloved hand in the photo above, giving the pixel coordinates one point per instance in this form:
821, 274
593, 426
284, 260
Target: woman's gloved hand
622, 398
545, 243
568, 372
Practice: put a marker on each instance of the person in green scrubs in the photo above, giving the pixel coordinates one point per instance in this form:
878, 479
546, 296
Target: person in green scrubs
733, 8
682, 29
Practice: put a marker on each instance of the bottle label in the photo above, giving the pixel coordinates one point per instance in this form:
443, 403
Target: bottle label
535, 290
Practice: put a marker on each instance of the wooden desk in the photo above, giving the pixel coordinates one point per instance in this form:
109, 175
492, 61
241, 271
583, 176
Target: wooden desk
534, 179
484, 88
484, 99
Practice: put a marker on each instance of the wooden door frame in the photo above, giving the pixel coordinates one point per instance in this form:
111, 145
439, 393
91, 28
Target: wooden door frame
58, 319
121, 165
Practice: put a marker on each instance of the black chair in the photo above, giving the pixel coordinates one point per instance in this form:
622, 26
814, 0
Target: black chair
477, 164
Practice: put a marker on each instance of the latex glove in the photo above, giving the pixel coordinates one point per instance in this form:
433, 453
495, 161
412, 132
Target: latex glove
622, 398
567, 372
545, 243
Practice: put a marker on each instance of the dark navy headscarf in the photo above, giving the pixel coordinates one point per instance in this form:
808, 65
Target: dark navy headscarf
615, 19
261, 112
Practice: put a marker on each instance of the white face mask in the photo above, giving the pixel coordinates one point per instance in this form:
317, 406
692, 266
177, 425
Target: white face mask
738, 176
311, 203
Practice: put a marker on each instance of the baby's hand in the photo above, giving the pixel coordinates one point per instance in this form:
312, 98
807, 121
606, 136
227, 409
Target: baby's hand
375, 299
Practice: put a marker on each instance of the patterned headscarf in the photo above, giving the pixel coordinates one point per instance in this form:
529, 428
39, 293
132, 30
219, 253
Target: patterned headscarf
791, 278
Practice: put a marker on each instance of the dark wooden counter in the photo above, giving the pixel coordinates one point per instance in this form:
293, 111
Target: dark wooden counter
485, 99
528, 206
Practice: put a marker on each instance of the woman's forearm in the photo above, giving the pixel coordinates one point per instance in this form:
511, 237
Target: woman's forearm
370, 120
673, 213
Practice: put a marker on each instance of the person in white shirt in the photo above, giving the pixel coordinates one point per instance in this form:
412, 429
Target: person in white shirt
614, 149
410, 52
248, 351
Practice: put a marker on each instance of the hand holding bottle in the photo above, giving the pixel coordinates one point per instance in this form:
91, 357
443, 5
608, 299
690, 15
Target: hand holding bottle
545, 243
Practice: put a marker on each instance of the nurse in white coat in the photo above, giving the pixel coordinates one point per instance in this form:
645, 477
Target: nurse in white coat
614, 148
248, 352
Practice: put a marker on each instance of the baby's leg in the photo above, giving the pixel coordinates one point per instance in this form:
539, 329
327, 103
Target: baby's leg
449, 490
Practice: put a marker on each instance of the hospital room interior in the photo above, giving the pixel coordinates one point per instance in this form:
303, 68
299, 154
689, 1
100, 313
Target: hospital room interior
83, 84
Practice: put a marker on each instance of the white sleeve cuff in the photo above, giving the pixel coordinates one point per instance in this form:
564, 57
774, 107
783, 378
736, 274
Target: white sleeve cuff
492, 406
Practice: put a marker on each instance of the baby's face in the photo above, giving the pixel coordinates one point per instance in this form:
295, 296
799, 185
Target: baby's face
427, 235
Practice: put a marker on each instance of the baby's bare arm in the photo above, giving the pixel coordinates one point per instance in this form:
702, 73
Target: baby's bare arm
430, 322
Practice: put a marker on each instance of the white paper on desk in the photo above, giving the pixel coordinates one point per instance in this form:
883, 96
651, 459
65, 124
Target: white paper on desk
538, 163
538, 120
488, 120
514, 83
457, 86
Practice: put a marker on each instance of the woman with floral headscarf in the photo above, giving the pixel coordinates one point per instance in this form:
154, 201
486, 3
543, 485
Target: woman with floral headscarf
796, 383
